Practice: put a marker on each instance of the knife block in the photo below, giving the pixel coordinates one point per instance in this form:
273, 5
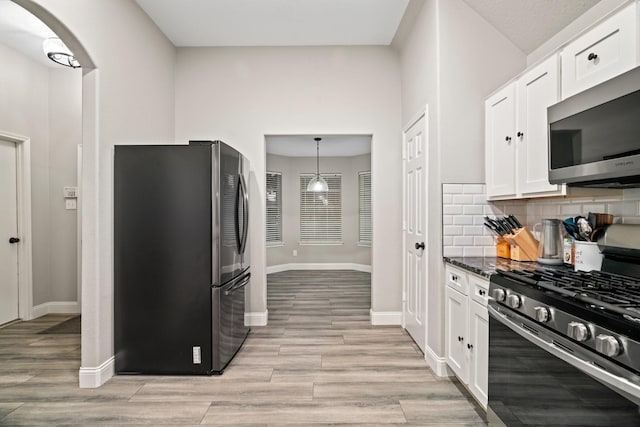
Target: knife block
503, 248
524, 246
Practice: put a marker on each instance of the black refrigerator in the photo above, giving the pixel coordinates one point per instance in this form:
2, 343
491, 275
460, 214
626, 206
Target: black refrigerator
181, 264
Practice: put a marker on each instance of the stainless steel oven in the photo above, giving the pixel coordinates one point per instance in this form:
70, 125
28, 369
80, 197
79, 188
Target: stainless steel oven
564, 346
539, 378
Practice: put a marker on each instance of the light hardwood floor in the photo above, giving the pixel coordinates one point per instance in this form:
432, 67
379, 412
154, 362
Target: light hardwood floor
318, 362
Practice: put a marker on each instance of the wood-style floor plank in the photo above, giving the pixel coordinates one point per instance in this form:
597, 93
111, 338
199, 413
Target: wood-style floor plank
319, 362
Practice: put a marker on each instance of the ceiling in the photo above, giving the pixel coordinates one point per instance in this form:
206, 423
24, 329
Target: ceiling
276, 22
529, 23
22, 31
330, 146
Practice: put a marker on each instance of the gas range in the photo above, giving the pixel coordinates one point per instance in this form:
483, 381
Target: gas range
568, 343
600, 311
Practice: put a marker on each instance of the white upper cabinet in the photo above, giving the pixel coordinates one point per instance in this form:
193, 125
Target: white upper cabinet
605, 51
516, 135
516, 140
537, 89
500, 160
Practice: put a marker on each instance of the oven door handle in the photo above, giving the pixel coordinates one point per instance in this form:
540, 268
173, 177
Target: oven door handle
621, 385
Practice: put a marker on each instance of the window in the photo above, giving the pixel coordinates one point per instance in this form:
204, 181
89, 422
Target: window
364, 213
321, 213
274, 208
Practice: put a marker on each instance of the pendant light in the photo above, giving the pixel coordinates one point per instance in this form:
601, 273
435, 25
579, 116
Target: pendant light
59, 53
317, 183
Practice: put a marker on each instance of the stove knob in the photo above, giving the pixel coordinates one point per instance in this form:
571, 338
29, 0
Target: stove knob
608, 345
542, 314
513, 301
499, 295
578, 331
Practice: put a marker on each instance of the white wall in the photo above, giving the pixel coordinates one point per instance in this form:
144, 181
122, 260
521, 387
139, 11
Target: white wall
475, 59
242, 94
130, 95
44, 104
348, 251
65, 133
451, 60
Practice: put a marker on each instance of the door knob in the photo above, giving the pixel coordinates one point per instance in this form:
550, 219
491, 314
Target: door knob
420, 245
13, 240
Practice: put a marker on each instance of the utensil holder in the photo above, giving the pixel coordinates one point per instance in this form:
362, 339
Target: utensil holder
524, 246
503, 248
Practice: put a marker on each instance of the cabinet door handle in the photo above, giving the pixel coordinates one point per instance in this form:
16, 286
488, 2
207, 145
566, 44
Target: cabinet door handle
460, 339
469, 346
520, 134
592, 56
508, 139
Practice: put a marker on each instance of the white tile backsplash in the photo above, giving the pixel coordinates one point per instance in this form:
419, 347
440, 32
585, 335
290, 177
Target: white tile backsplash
465, 205
624, 207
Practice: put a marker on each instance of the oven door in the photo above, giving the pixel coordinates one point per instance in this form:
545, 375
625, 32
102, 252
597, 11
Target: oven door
537, 377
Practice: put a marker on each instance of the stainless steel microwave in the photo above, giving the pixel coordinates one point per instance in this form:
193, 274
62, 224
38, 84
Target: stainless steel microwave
594, 136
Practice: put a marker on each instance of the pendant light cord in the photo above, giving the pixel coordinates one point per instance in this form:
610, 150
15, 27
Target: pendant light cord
318, 159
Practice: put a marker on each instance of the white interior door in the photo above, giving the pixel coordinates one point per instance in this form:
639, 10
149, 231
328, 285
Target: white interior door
415, 226
8, 230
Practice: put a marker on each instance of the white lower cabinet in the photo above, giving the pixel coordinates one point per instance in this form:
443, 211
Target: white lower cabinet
479, 351
467, 330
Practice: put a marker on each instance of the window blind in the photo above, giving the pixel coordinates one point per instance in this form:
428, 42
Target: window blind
274, 208
364, 215
321, 212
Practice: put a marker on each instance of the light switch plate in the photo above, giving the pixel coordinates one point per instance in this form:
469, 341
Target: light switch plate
70, 204
70, 192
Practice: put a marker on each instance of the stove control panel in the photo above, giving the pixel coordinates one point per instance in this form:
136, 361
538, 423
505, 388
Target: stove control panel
578, 331
514, 301
608, 345
542, 314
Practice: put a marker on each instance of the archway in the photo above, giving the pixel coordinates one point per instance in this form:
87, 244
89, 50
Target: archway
89, 185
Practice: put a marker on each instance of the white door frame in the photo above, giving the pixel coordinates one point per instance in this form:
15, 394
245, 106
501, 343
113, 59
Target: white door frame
79, 226
424, 113
23, 184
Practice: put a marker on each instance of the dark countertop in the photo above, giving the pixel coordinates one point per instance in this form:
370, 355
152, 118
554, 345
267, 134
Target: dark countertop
486, 266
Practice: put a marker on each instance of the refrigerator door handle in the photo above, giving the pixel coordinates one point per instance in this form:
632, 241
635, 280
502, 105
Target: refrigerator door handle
238, 285
236, 218
245, 214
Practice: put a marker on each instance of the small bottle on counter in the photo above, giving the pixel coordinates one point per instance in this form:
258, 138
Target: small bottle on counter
569, 250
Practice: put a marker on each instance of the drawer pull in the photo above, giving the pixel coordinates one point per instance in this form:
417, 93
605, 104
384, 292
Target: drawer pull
592, 56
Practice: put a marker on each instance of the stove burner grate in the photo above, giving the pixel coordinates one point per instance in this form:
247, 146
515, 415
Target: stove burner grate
609, 291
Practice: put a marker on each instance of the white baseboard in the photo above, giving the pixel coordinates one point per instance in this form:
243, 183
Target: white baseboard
385, 317
95, 377
259, 318
319, 266
55, 307
438, 364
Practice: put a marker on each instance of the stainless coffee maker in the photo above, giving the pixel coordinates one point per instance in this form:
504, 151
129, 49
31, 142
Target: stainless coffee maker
550, 249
